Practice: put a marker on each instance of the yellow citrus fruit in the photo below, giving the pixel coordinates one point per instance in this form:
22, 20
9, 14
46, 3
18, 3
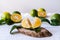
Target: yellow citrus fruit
41, 9
26, 23
41, 12
16, 17
36, 23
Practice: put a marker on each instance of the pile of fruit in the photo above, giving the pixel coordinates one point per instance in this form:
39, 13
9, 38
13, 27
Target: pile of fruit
38, 15
10, 19
41, 13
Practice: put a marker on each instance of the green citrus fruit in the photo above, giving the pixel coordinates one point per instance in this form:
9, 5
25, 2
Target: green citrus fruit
55, 19
34, 13
6, 15
16, 12
56, 16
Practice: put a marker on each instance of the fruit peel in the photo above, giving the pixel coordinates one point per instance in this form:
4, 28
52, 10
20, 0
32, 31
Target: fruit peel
27, 24
6, 15
33, 13
16, 12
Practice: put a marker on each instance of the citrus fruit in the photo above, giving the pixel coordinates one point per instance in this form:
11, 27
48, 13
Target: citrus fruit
26, 23
34, 13
55, 16
16, 17
36, 23
41, 12
17, 12
41, 9
55, 19
6, 15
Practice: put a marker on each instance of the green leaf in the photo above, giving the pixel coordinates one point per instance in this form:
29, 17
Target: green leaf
14, 27
37, 29
2, 22
44, 19
9, 21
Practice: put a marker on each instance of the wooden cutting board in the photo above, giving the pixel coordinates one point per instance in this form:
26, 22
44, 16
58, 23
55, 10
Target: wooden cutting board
42, 33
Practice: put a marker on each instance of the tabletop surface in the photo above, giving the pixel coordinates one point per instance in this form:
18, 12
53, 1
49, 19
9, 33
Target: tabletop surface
5, 35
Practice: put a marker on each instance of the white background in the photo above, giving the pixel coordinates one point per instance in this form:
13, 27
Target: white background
26, 5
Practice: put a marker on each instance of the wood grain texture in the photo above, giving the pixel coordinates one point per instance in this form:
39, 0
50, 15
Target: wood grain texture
43, 33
